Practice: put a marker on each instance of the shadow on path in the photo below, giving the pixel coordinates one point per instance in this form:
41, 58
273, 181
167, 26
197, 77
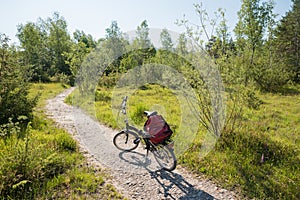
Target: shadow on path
168, 181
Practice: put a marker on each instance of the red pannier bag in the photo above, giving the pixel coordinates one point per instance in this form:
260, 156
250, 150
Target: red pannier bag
159, 128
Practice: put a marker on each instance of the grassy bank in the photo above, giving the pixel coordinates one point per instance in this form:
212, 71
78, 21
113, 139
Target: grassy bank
45, 163
260, 159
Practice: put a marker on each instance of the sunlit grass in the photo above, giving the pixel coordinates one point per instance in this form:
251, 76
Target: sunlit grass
46, 163
45, 91
279, 117
272, 131
157, 98
261, 158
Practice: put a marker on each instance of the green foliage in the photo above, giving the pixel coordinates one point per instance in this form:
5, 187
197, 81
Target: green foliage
288, 41
66, 142
256, 21
45, 162
11, 128
181, 48
142, 40
109, 80
49, 51
14, 101
252, 24
59, 41
115, 46
260, 157
136, 58
34, 168
166, 40
270, 131
45, 91
33, 40
48, 48
26, 164
137, 115
168, 58
76, 55
87, 39
83, 181
263, 57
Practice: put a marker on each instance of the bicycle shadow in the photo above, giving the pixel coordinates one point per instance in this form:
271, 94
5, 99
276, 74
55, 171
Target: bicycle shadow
167, 180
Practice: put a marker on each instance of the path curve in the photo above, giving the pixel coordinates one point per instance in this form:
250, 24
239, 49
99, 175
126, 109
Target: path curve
131, 175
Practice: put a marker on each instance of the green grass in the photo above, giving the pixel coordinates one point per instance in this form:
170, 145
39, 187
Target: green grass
272, 131
137, 104
46, 163
45, 91
235, 162
279, 117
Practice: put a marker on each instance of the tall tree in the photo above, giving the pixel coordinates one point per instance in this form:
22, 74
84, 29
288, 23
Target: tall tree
141, 50
254, 17
223, 34
115, 45
59, 41
181, 47
115, 40
87, 39
82, 45
14, 101
142, 40
166, 40
288, 40
33, 42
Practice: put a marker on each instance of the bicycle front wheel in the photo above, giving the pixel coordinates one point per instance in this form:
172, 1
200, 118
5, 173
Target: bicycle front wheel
165, 157
126, 141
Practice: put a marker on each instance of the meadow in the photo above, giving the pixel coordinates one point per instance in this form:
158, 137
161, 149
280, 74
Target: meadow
260, 159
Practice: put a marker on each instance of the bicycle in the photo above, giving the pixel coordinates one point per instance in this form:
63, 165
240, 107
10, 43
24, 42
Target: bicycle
129, 139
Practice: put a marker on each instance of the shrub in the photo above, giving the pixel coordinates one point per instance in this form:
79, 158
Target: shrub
14, 101
66, 142
138, 114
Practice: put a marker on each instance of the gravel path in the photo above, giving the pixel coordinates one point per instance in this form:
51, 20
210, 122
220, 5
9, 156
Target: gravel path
131, 175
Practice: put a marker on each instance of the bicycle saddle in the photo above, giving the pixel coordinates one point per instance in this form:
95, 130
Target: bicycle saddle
150, 113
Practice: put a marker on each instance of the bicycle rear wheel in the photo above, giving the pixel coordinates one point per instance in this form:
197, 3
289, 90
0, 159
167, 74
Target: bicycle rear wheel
126, 141
165, 157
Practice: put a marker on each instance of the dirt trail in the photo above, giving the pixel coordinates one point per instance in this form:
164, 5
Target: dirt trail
131, 175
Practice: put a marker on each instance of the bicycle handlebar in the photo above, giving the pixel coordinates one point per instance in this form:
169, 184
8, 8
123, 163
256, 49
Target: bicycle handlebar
141, 132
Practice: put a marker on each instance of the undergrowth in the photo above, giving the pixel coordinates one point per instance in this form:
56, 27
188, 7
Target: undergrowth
260, 158
44, 162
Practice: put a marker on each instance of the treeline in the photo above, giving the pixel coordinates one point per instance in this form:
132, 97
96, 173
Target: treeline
267, 49
261, 53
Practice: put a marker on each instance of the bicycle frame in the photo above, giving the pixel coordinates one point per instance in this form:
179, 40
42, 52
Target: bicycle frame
140, 133
163, 152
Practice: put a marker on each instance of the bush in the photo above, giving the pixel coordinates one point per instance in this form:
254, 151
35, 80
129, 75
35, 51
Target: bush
14, 101
66, 142
138, 114
27, 163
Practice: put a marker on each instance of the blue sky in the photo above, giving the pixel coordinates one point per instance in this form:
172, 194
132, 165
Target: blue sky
94, 16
